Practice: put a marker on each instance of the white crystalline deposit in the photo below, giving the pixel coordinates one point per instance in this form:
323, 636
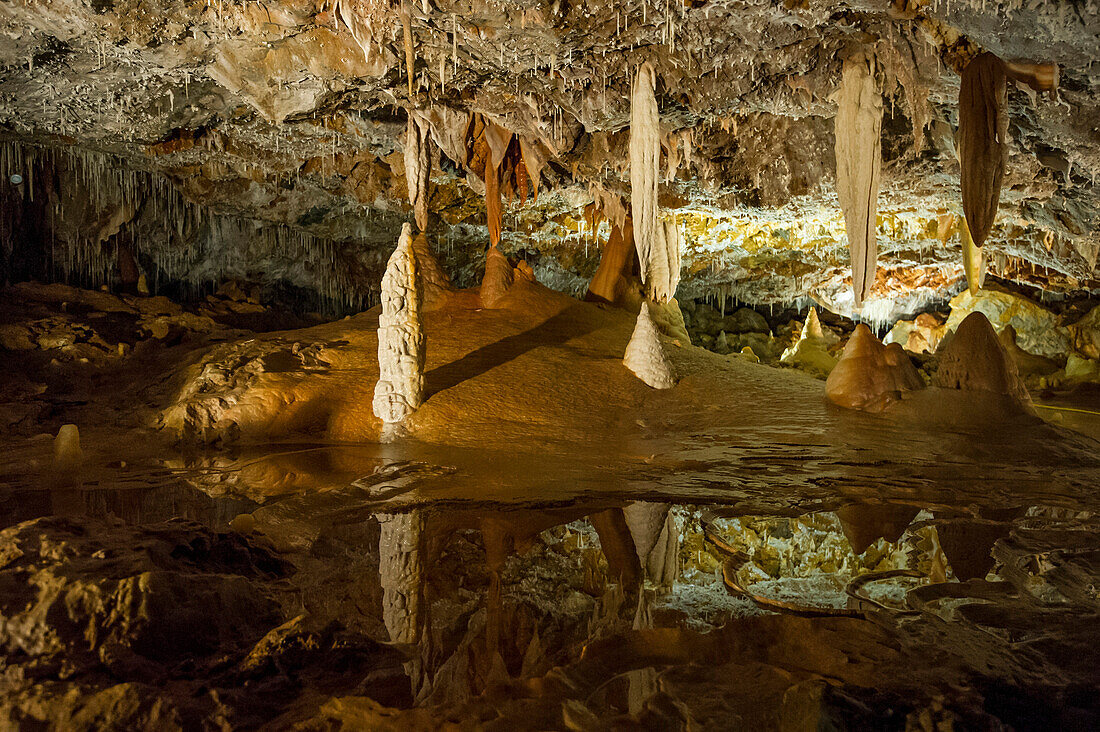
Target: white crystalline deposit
645, 356
400, 386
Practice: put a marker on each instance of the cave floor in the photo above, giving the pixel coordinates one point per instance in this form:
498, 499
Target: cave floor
557, 546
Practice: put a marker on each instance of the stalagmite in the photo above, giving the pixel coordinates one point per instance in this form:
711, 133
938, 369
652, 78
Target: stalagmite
400, 385
869, 375
431, 279
811, 352
973, 359
612, 282
418, 168
858, 162
658, 242
498, 277
645, 356
982, 142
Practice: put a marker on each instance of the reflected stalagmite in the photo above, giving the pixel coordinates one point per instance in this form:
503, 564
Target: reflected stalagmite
866, 523
858, 162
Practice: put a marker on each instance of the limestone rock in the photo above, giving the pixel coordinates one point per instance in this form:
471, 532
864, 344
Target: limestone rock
1082, 369
1086, 334
498, 277
973, 359
920, 335
858, 162
1028, 364
400, 387
1037, 329
645, 355
870, 375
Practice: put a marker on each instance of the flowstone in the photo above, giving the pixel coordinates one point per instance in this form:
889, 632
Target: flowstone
645, 356
400, 387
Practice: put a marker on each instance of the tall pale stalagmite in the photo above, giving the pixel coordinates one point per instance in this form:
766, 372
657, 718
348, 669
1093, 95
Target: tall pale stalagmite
982, 142
645, 355
418, 168
858, 163
658, 242
400, 387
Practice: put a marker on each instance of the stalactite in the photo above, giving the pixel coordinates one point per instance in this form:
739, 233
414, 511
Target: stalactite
858, 163
410, 55
400, 387
418, 168
973, 261
982, 142
658, 242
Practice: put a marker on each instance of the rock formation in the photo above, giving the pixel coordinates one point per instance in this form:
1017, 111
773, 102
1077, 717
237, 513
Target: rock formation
858, 128
418, 168
973, 359
645, 356
982, 142
870, 375
400, 387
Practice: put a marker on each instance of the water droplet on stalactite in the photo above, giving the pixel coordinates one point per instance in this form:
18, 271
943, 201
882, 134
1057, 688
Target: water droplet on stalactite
16, 179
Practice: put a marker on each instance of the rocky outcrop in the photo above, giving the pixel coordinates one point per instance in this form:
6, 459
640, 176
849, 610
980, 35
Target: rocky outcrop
870, 375
645, 355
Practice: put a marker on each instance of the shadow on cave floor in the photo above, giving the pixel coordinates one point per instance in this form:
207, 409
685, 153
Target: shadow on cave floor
559, 329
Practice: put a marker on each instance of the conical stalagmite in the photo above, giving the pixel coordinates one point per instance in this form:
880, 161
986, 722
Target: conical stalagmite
498, 277
973, 359
982, 142
645, 355
400, 385
658, 242
612, 282
418, 168
858, 162
811, 351
869, 376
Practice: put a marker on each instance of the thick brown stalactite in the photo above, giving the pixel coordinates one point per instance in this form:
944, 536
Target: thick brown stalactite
982, 141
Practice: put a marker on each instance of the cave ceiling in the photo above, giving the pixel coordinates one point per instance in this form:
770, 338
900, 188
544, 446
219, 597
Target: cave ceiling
293, 112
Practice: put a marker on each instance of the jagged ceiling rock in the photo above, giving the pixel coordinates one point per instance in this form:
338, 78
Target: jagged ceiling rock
291, 112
